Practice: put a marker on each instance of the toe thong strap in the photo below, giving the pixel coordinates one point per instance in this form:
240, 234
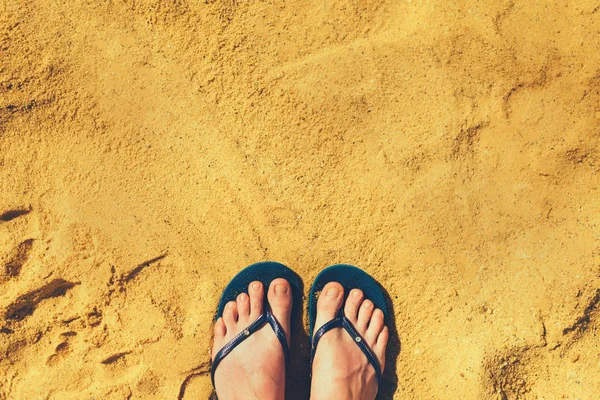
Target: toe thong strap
343, 322
265, 318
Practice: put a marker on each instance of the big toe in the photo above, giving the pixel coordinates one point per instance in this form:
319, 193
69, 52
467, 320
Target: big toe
280, 300
329, 303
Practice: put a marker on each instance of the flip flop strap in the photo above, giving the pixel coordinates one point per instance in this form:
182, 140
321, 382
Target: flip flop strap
266, 317
343, 322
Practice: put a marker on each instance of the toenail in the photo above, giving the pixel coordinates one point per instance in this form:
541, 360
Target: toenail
256, 285
282, 289
332, 292
230, 305
368, 304
355, 293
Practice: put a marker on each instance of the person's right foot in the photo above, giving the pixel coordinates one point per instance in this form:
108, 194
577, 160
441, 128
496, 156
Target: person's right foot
340, 369
255, 369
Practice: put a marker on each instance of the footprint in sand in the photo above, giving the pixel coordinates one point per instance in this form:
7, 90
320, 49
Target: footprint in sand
535, 370
16, 257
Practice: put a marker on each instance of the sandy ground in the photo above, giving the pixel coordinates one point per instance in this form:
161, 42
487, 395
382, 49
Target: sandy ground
149, 149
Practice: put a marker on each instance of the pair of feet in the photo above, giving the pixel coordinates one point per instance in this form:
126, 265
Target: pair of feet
255, 369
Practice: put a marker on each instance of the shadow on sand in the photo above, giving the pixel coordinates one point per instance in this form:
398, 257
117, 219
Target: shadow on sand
298, 373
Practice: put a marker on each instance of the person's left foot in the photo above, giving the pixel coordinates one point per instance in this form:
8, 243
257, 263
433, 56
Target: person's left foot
340, 369
255, 369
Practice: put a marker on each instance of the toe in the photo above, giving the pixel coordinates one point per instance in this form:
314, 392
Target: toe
257, 294
375, 327
243, 307
230, 315
280, 300
352, 303
364, 315
329, 303
220, 332
379, 348
220, 329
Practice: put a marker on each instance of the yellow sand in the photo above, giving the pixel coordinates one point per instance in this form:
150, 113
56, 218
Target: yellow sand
149, 149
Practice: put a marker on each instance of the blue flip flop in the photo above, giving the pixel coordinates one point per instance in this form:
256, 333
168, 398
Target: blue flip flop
350, 278
264, 272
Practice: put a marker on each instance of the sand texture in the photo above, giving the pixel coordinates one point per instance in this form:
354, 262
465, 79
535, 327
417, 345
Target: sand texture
150, 149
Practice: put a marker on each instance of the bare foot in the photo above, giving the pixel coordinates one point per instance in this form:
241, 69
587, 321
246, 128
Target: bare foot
255, 369
340, 369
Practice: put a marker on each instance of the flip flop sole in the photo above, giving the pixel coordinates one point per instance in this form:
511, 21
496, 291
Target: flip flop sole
350, 277
265, 272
